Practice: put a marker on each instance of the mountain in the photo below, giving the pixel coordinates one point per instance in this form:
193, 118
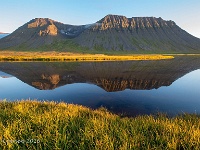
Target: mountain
146, 33
113, 32
110, 76
35, 33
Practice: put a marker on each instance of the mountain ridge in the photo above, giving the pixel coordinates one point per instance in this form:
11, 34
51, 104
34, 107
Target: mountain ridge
134, 22
111, 33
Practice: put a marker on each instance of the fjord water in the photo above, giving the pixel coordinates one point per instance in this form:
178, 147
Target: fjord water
3, 35
127, 87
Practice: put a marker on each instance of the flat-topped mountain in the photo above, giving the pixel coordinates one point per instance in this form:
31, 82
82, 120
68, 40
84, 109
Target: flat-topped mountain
112, 32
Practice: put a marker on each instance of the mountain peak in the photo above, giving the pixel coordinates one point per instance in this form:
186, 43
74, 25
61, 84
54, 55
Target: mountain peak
50, 28
39, 22
112, 21
113, 16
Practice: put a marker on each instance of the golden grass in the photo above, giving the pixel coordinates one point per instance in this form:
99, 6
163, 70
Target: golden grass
67, 56
50, 125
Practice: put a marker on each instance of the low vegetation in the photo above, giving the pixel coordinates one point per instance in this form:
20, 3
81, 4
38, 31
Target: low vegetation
66, 56
49, 125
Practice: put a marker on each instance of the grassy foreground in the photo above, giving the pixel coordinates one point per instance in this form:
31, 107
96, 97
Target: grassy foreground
67, 56
49, 125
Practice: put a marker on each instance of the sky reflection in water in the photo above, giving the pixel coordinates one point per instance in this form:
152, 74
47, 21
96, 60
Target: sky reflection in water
183, 95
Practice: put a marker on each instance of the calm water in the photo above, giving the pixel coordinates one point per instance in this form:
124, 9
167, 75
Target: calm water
3, 35
131, 87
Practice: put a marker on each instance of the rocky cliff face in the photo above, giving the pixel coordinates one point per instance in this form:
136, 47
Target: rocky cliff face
121, 22
138, 33
50, 28
112, 32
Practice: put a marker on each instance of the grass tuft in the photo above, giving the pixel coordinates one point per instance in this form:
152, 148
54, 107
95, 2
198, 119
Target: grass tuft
51, 125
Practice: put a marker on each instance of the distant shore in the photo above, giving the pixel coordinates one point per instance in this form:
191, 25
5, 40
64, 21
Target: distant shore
68, 56
4, 33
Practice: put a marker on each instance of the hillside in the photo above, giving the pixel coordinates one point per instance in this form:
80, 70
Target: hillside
35, 33
111, 33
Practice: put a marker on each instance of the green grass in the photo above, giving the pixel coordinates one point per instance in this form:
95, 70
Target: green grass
50, 125
69, 45
66, 56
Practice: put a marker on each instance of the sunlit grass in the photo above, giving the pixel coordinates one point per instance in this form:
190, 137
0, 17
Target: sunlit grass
50, 125
66, 56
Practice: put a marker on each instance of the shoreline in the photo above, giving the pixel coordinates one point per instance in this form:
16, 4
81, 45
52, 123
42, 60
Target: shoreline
67, 56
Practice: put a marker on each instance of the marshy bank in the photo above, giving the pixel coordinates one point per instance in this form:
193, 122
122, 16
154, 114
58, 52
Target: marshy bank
67, 56
51, 125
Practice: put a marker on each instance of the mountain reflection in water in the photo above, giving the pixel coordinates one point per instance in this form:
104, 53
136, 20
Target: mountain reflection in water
135, 79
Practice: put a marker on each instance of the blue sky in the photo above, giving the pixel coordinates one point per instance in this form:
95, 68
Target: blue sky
14, 13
